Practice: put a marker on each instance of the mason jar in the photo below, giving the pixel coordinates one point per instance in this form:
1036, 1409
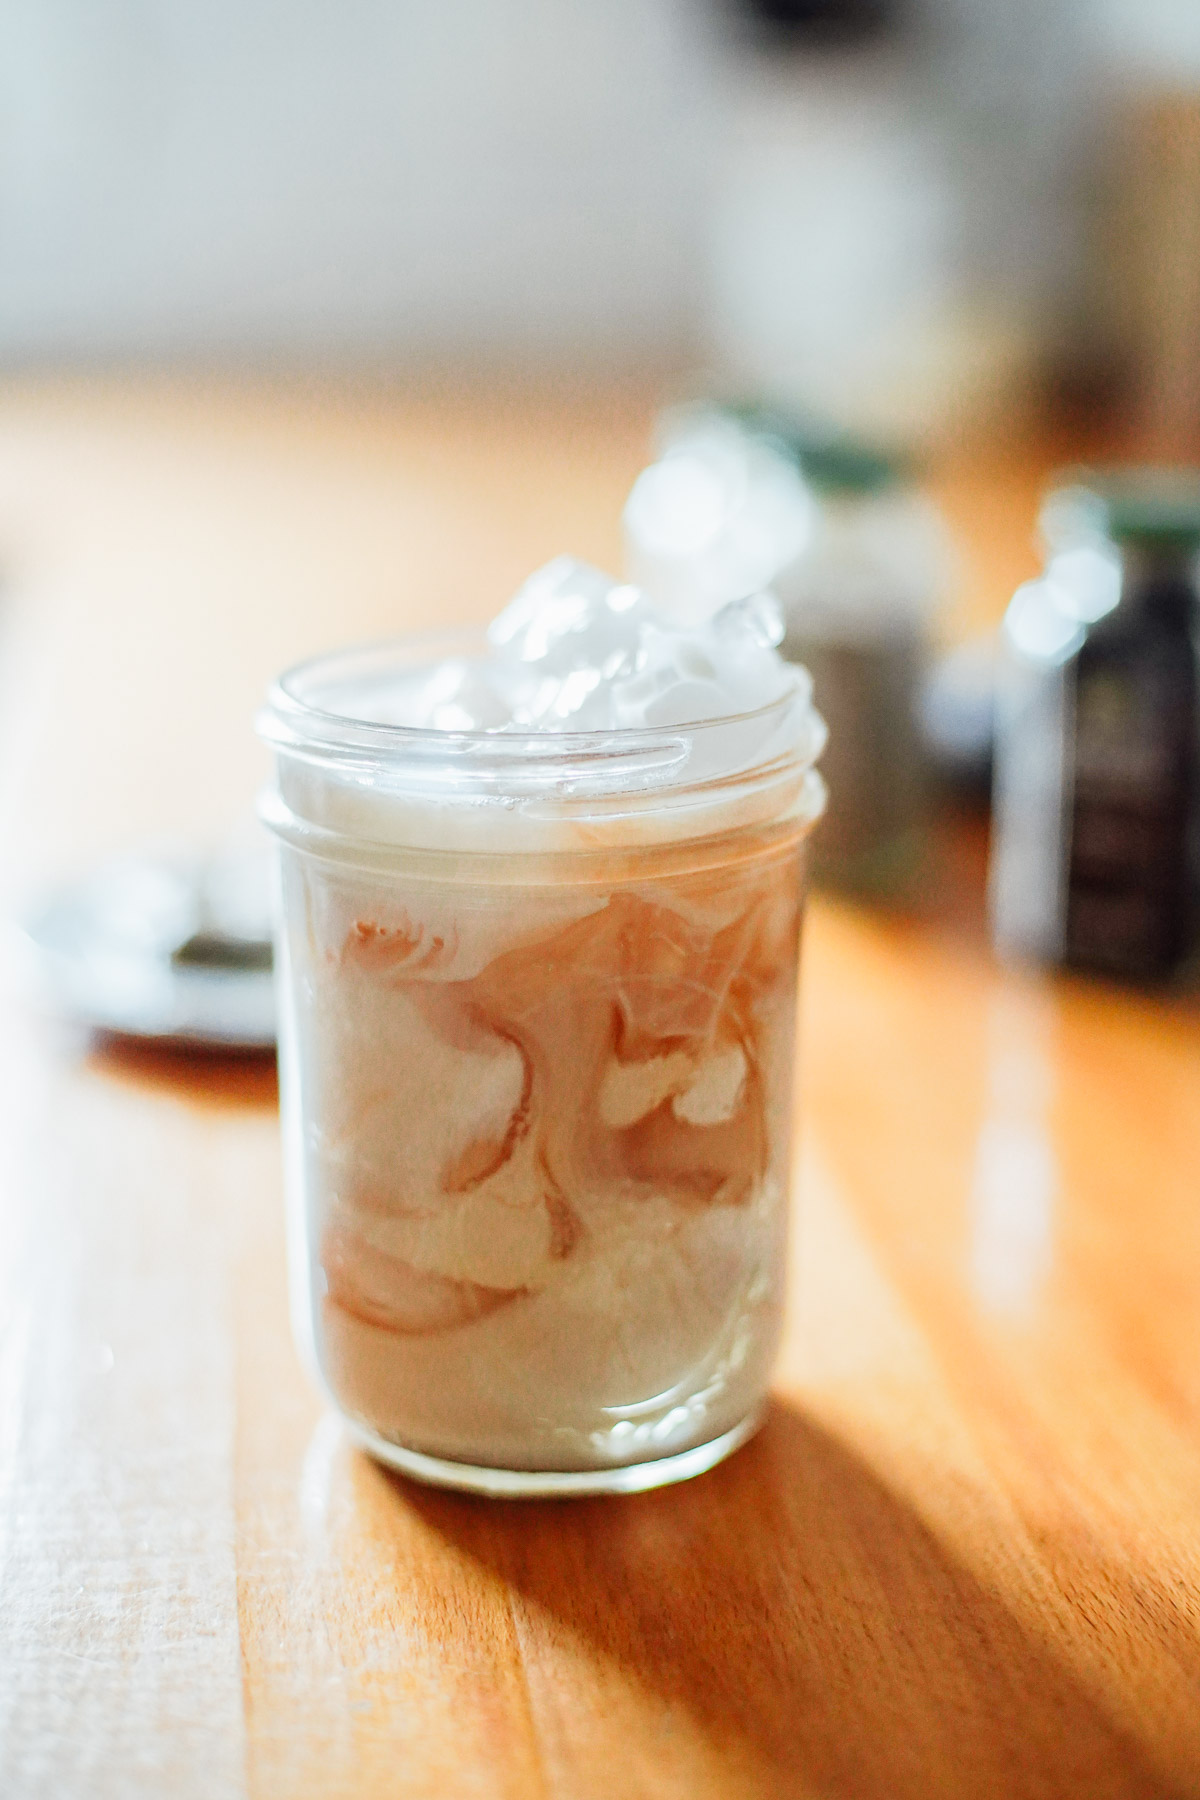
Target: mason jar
538, 999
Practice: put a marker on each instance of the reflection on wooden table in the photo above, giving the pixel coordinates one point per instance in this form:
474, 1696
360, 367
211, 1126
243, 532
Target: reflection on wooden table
963, 1556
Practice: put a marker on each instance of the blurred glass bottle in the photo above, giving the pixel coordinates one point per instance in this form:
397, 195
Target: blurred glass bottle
745, 497
1097, 772
716, 518
858, 603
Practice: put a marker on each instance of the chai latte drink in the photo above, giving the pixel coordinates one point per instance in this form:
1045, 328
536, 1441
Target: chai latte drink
538, 962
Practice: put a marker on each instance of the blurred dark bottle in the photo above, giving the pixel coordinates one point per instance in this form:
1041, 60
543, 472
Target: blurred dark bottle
801, 22
1097, 796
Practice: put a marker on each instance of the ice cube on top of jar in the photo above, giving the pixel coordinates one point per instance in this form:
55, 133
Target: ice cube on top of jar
538, 964
575, 651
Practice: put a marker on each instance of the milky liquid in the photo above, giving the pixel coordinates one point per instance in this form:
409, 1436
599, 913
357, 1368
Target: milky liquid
540, 1114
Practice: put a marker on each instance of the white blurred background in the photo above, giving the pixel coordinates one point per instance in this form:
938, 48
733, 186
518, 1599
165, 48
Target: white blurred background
901, 224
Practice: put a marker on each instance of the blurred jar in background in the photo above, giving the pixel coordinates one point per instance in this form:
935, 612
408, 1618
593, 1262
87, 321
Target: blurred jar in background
716, 518
1097, 771
744, 498
858, 604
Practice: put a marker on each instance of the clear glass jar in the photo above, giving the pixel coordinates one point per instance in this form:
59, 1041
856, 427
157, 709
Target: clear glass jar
536, 1038
747, 497
857, 602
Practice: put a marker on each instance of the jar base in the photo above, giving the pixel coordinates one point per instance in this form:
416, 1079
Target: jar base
549, 1484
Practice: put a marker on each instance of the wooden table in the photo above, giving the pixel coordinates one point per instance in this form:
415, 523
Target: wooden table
963, 1556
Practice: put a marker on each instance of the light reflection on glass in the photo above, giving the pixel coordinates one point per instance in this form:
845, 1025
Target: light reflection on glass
1016, 1174
1086, 581
1038, 628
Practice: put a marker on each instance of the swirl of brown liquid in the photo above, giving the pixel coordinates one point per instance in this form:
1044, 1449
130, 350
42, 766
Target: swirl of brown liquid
641, 1038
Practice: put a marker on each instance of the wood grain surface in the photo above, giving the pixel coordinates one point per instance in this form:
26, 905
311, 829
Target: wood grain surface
963, 1556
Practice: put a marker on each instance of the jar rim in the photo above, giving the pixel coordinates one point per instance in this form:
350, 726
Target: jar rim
300, 721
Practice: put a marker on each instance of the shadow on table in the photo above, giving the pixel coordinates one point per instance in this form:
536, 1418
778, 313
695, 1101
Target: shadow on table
812, 1625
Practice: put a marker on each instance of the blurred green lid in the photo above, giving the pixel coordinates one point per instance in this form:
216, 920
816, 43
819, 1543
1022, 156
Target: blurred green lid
1154, 506
834, 464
